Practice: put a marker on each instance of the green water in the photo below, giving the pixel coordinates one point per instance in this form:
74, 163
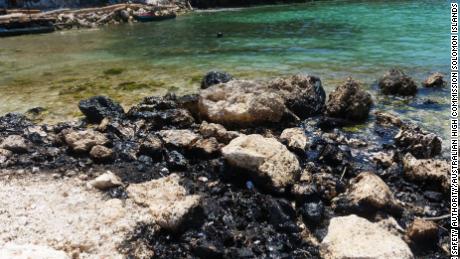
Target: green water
331, 39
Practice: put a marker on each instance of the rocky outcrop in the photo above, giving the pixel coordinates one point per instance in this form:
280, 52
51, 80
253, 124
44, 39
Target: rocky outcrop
14, 251
435, 80
355, 237
241, 103
349, 101
418, 142
367, 194
396, 82
294, 139
215, 77
431, 171
99, 107
303, 94
269, 161
83, 141
169, 203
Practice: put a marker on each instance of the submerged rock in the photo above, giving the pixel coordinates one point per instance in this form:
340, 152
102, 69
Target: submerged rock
14, 251
419, 143
431, 171
303, 94
99, 107
349, 101
169, 203
294, 139
395, 82
435, 80
15, 144
269, 161
240, 103
367, 194
83, 141
356, 237
215, 77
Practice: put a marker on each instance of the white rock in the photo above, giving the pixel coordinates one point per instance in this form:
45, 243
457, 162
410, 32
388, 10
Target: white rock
270, 161
179, 138
294, 138
167, 200
356, 237
13, 251
105, 181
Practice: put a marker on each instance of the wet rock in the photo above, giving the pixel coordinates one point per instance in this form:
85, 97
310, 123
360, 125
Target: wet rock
356, 237
387, 119
15, 144
422, 232
384, 159
217, 131
206, 147
328, 185
269, 161
151, 146
13, 123
240, 103
99, 107
4, 155
83, 141
169, 203
294, 139
332, 154
432, 171
176, 161
349, 101
419, 143
14, 251
395, 82
105, 181
303, 94
367, 194
190, 103
179, 138
435, 80
312, 212
214, 78
101, 154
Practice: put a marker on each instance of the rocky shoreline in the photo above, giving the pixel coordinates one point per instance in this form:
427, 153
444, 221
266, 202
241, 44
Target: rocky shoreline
250, 169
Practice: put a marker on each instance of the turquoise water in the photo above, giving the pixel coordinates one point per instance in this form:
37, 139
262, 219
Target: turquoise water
331, 39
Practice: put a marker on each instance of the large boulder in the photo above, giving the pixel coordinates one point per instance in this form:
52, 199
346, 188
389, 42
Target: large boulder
168, 201
269, 162
396, 82
349, 101
15, 251
418, 142
240, 103
435, 80
432, 171
367, 194
99, 107
215, 77
303, 94
355, 237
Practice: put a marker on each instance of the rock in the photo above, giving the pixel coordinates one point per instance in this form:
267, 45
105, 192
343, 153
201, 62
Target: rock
395, 82
303, 94
206, 147
105, 181
15, 144
419, 143
355, 237
176, 161
384, 159
14, 251
312, 212
435, 80
269, 161
151, 146
179, 138
240, 103
422, 232
367, 194
214, 78
295, 139
101, 153
167, 200
217, 131
4, 155
83, 141
99, 107
430, 171
387, 119
349, 101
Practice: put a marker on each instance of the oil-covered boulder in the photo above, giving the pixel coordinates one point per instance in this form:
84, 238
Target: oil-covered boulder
349, 101
396, 82
215, 77
434, 80
99, 107
418, 142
